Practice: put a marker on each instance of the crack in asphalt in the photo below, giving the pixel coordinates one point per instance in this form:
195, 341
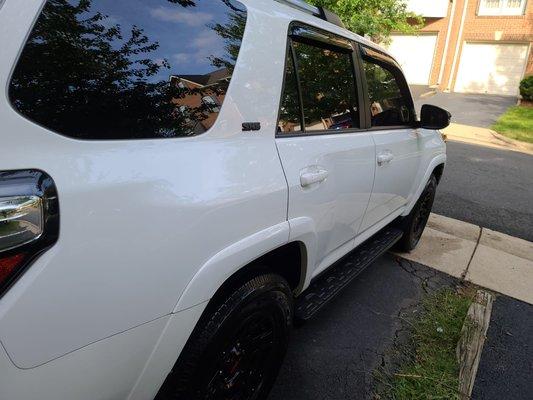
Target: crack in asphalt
392, 356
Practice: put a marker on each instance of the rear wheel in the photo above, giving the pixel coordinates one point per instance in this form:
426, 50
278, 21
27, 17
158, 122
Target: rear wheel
413, 225
237, 349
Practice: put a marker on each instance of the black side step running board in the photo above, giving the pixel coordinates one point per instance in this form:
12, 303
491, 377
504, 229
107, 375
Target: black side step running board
328, 285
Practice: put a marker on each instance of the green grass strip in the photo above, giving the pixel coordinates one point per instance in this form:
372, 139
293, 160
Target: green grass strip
516, 123
432, 371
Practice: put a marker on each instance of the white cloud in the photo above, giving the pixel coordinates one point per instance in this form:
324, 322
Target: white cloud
181, 57
205, 44
181, 16
206, 40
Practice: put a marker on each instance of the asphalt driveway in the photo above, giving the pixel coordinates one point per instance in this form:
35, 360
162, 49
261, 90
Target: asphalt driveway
469, 109
488, 187
333, 356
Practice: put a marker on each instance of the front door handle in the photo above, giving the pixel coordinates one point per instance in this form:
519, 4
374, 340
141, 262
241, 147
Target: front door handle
310, 177
385, 158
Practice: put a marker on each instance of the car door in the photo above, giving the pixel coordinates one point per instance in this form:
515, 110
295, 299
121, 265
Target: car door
392, 122
329, 161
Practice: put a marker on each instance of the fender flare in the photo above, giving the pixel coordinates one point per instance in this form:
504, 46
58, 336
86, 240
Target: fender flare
212, 275
435, 162
303, 229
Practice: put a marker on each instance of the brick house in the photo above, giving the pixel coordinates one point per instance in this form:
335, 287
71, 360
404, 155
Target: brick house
472, 46
202, 92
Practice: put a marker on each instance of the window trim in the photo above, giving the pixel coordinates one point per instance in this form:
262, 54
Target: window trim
356, 72
381, 57
501, 11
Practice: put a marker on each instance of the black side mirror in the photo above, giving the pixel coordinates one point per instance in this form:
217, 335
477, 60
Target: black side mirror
433, 117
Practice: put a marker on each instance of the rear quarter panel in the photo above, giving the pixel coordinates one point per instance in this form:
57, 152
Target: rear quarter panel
138, 218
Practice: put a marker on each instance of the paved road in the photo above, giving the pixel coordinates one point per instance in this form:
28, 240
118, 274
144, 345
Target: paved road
488, 187
333, 356
506, 367
469, 109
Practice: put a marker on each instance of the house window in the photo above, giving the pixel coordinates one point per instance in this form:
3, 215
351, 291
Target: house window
501, 7
211, 103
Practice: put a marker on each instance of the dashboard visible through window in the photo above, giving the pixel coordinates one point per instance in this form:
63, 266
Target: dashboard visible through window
389, 98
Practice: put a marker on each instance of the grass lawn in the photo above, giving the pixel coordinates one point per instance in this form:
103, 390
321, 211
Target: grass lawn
430, 369
516, 123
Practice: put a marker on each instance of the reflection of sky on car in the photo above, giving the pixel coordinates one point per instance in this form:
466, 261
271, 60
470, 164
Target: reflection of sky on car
184, 37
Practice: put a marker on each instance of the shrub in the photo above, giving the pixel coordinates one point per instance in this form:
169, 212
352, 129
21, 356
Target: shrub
526, 88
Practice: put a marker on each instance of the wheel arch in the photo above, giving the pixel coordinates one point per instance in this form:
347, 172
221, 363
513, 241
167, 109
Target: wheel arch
435, 166
288, 261
268, 250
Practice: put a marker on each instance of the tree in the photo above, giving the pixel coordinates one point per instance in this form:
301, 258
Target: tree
83, 77
374, 18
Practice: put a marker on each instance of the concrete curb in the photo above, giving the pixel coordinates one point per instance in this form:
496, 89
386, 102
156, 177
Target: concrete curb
478, 255
428, 94
521, 145
485, 137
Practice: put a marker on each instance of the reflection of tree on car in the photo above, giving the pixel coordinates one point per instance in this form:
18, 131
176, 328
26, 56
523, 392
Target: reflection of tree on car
325, 68
106, 70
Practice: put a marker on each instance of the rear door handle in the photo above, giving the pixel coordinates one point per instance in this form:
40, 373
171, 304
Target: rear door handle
310, 177
385, 158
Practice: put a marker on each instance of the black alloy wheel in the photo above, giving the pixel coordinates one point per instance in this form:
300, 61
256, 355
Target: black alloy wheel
414, 224
237, 348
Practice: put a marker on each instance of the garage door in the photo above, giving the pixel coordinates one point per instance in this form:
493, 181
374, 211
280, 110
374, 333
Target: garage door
491, 68
415, 54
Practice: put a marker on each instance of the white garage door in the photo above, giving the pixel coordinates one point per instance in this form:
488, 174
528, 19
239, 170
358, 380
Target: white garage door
491, 68
415, 54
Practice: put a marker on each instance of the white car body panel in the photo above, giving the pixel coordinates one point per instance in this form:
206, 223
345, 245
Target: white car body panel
337, 205
110, 308
394, 179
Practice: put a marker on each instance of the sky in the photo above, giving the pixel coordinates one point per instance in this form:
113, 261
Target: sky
182, 32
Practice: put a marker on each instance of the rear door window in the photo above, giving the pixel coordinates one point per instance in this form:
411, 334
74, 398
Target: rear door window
320, 83
128, 69
390, 101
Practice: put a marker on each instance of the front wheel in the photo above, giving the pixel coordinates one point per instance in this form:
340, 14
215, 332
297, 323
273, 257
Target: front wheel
237, 349
413, 225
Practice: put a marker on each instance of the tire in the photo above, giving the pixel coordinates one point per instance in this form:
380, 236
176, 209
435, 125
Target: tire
413, 225
237, 348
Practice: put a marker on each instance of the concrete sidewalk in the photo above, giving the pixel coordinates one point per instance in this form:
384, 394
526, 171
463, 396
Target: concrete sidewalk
479, 255
485, 137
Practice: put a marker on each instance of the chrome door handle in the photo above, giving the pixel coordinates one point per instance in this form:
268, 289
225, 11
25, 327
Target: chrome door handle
385, 158
308, 178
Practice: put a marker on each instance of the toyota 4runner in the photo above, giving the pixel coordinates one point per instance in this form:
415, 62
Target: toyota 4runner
179, 181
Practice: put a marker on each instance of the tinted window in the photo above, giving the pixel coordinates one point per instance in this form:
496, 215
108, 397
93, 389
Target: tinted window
328, 88
390, 100
290, 113
326, 80
126, 69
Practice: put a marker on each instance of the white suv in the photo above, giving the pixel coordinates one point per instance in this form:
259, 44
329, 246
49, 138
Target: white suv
176, 177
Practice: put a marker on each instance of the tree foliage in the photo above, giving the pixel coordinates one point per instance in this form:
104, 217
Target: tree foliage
526, 88
85, 77
374, 18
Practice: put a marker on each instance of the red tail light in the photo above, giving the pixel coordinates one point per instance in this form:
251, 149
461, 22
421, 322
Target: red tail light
29, 221
9, 264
